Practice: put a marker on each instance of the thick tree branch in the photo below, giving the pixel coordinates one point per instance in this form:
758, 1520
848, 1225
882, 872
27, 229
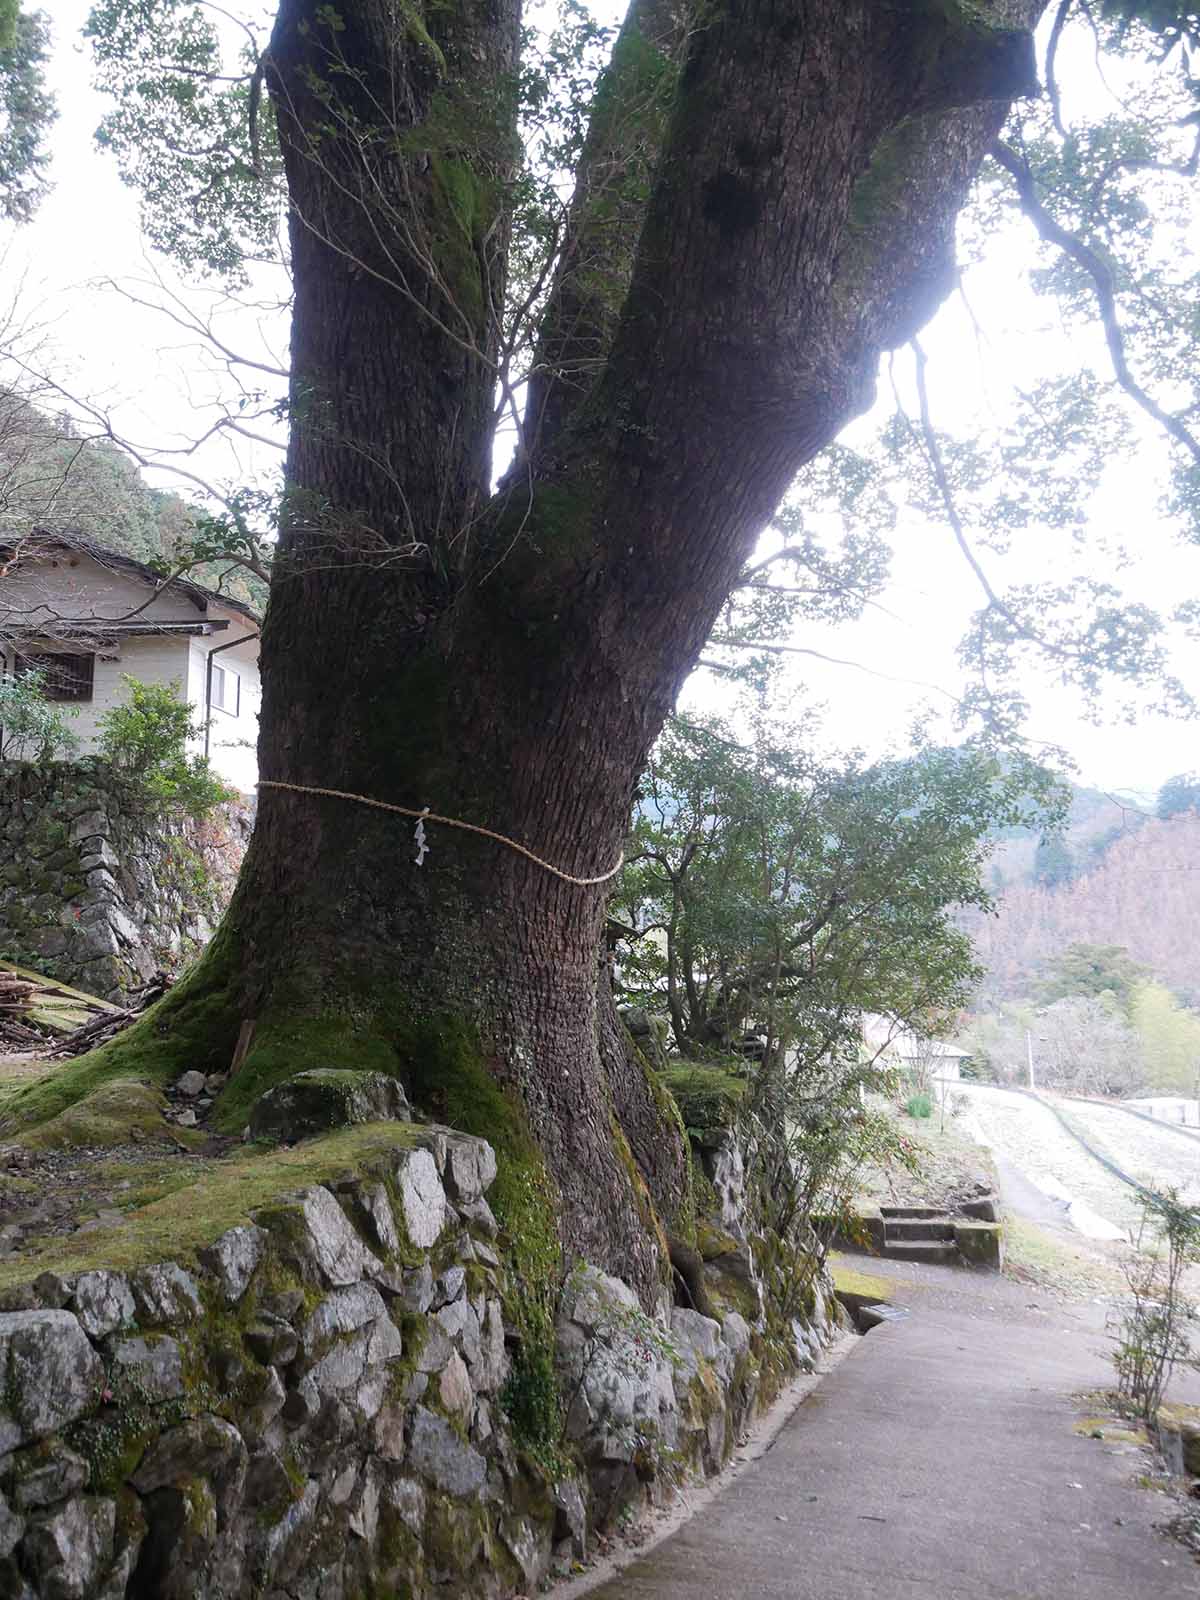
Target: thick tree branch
613, 180
727, 642
946, 494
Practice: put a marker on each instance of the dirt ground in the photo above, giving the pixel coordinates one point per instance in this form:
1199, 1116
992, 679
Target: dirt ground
950, 1166
82, 1174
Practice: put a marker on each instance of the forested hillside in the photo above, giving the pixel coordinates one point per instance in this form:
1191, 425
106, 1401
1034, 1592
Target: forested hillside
55, 476
1141, 891
1095, 821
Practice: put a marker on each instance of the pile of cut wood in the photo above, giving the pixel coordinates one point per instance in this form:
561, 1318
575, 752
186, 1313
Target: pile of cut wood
99, 1030
35, 1009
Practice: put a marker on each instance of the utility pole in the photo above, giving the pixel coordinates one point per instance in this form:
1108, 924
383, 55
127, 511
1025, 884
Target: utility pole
1029, 1053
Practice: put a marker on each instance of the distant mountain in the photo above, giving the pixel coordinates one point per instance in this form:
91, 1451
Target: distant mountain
1097, 820
1134, 881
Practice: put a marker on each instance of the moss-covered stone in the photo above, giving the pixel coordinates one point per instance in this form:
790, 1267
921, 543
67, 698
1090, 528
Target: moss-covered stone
446, 1074
708, 1098
287, 1043
981, 1244
323, 1098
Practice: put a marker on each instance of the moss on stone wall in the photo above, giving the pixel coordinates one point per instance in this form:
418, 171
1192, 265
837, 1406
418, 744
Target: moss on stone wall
175, 1226
708, 1097
447, 1075
98, 891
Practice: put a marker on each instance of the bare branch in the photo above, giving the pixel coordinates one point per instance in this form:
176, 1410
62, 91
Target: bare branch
727, 642
1102, 283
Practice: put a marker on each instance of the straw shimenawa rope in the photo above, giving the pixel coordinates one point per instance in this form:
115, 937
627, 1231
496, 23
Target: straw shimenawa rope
425, 815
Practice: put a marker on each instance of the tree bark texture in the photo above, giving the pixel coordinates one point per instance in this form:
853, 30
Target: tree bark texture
508, 659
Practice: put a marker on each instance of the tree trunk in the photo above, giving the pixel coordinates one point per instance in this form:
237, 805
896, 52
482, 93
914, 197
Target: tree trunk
508, 663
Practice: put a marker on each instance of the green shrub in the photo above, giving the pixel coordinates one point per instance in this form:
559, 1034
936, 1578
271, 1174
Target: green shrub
146, 740
920, 1106
32, 728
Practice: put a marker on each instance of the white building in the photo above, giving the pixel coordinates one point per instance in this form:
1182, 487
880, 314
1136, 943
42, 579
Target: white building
895, 1047
91, 618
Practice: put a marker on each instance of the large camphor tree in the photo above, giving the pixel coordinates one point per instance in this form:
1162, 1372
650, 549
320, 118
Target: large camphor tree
765, 200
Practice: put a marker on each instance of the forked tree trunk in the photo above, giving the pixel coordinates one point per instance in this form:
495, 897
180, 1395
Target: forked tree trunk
509, 661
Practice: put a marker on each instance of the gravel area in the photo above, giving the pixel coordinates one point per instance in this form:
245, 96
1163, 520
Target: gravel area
1154, 1156
1030, 1137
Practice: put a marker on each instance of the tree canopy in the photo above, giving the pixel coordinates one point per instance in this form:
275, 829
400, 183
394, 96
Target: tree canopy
1097, 170
769, 891
26, 110
1090, 971
1179, 794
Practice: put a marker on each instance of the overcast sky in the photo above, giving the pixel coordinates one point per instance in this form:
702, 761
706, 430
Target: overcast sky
158, 385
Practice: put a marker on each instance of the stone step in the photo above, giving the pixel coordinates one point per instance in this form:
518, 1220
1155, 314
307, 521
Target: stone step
913, 1212
924, 1228
932, 1251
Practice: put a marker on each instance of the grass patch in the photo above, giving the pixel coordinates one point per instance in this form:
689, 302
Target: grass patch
16, 1075
174, 1226
850, 1280
148, 1181
1074, 1271
1113, 1430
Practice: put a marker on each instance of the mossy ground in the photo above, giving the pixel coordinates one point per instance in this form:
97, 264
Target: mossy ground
112, 1114
174, 1225
1115, 1430
851, 1280
193, 1026
18, 1073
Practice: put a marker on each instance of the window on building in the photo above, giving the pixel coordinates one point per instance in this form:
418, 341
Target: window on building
68, 677
226, 690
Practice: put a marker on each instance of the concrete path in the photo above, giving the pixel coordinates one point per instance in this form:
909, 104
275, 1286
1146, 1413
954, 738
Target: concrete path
937, 1462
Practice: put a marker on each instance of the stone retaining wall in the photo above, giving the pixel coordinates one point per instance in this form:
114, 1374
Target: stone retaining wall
97, 891
312, 1407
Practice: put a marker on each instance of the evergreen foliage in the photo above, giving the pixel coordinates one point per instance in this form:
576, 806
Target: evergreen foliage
768, 891
26, 110
31, 727
1091, 970
146, 739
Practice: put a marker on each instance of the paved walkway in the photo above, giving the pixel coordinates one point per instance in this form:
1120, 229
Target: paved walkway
937, 1462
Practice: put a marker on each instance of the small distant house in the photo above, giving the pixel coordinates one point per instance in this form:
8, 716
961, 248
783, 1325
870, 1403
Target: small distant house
895, 1047
91, 617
